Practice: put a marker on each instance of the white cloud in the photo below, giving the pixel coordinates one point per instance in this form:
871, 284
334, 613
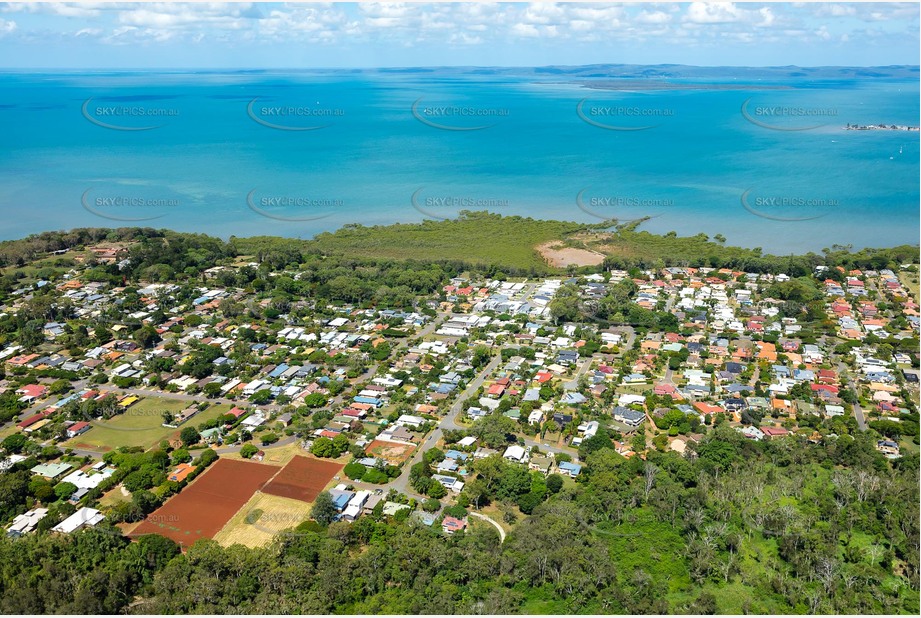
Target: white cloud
461, 23
653, 17
543, 13
833, 10
525, 30
713, 13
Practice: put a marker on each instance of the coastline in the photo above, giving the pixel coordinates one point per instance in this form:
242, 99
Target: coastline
518, 242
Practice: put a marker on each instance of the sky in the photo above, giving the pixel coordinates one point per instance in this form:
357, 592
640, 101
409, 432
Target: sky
98, 35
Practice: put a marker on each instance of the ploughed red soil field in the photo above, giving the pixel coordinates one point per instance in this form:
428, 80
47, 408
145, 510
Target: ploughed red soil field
302, 478
202, 508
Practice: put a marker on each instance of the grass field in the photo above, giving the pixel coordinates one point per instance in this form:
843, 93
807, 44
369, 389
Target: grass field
910, 281
907, 446
276, 456
8, 431
114, 496
261, 518
140, 425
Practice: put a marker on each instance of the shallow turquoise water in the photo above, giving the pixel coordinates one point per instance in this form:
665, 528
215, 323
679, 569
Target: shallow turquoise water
212, 166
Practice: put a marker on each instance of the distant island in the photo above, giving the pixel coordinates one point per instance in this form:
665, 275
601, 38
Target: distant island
649, 84
879, 127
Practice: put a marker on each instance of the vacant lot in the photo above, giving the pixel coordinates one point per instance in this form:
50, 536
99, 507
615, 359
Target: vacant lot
260, 519
393, 453
274, 455
303, 478
115, 496
202, 508
140, 425
561, 256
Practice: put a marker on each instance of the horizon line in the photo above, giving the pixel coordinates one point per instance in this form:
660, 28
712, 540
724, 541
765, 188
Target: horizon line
465, 66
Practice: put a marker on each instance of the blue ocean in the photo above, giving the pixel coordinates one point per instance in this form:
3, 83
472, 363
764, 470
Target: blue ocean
765, 162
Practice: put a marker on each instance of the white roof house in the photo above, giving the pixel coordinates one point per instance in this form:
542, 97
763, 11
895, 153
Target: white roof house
27, 521
88, 481
410, 420
514, 453
85, 517
355, 505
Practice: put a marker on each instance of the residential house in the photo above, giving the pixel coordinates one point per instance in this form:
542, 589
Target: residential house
570, 468
450, 525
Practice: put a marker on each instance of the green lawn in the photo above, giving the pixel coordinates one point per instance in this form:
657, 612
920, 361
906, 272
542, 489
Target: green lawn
907, 446
910, 281
113, 497
140, 425
8, 431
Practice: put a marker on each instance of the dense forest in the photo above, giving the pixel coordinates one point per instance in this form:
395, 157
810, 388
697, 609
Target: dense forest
735, 526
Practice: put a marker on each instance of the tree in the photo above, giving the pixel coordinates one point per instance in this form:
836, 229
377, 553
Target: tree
15, 486
565, 306
323, 447
64, 490
481, 356
323, 510
494, 430
261, 397
269, 438
212, 389
433, 455
431, 505
315, 400
669, 419
515, 480
14, 443
354, 470
529, 501
189, 436
649, 477
146, 336
436, 490
340, 444
554, 483
704, 605
373, 475
601, 439
40, 488
207, 458
59, 386
248, 450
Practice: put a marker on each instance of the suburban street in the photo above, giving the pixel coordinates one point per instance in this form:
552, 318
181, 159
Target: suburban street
449, 421
858, 412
